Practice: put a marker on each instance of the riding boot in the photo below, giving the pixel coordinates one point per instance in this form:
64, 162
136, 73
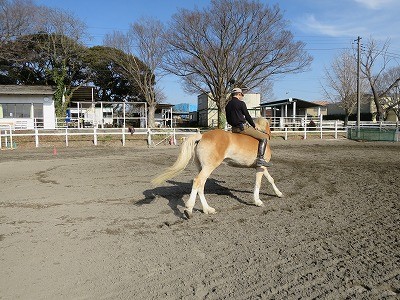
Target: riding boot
260, 161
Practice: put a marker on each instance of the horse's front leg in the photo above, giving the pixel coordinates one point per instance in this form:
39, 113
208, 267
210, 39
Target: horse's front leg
272, 182
207, 209
257, 186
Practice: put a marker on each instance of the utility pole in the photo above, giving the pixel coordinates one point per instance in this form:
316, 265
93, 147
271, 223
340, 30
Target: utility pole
358, 85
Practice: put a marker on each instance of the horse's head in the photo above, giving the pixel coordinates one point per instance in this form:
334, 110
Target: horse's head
264, 125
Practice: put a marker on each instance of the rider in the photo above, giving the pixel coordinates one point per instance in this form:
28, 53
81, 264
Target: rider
237, 115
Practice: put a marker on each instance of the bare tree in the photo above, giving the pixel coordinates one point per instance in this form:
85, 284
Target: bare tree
341, 83
46, 41
392, 100
145, 44
375, 60
64, 49
60, 22
266, 90
17, 17
232, 39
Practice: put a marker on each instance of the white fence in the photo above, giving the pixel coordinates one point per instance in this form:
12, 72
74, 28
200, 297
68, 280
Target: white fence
306, 125
154, 136
6, 136
370, 124
334, 128
369, 131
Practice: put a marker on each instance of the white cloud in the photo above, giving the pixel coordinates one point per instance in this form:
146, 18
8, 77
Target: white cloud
374, 4
334, 30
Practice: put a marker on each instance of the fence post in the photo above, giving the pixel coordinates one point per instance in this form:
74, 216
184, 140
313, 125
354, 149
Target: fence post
320, 125
286, 133
36, 138
148, 137
11, 139
336, 129
123, 136
95, 136
305, 130
66, 137
6, 139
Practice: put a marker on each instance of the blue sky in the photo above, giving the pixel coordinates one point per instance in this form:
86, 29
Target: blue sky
327, 27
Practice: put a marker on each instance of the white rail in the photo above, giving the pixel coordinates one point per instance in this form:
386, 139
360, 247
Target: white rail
157, 136
6, 131
304, 128
166, 134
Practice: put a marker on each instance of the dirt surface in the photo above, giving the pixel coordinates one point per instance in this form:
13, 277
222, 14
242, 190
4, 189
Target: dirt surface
86, 224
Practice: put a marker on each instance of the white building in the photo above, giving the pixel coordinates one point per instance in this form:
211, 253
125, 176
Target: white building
30, 107
27, 107
208, 111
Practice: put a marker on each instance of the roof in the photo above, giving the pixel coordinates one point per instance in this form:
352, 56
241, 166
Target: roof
26, 90
299, 103
322, 102
84, 94
164, 105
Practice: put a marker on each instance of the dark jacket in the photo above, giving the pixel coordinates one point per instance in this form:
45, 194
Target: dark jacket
237, 113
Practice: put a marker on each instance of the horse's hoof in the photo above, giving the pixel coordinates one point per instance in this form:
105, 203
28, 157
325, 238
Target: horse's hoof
188, 214
210, 211
280, 195
259, 204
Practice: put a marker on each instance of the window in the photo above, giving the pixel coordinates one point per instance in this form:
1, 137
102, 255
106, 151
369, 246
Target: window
37, 110
22, 110
16, 110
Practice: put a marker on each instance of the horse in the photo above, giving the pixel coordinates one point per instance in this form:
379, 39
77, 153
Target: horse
213, 148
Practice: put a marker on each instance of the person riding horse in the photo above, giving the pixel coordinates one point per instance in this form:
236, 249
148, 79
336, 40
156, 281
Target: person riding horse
209, 150
237, 115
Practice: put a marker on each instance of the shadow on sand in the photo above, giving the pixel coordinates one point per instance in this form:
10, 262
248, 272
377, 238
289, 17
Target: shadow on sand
175, 193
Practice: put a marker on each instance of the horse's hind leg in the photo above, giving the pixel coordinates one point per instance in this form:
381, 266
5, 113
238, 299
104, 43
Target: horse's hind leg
206, 208
190, 203
272, 182
192, 199
198, 188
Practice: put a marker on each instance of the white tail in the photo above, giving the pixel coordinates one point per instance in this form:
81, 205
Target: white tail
181, 162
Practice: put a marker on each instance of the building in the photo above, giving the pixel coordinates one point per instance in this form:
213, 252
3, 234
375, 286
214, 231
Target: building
27, 107
290, 108
163, 115
367, 110
184, 114
208, 111
84, 110
290, 112
321, 109
30, 107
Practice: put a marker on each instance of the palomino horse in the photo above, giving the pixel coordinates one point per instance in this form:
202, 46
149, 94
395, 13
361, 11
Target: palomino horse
211, 149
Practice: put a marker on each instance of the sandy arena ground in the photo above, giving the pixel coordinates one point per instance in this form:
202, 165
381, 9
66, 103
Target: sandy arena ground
86, 224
